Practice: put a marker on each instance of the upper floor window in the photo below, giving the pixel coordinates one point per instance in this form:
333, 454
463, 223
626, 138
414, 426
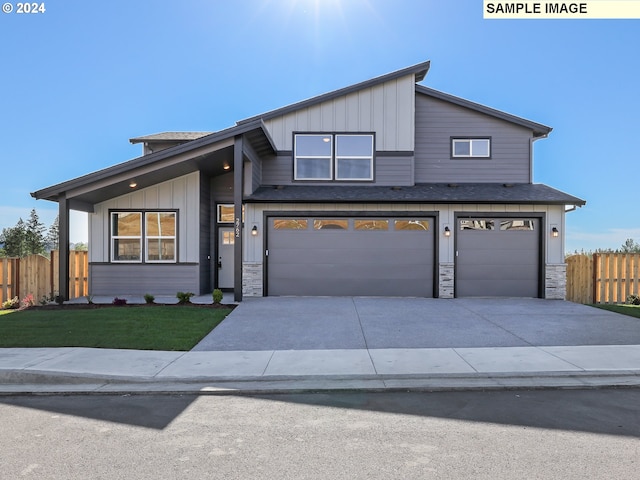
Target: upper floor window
337, 156
470, 147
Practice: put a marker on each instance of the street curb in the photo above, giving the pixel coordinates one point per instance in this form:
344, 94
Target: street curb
66, 384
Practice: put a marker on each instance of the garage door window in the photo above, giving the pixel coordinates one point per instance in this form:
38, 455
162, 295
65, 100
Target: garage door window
332, 224
371, 224
476, 224
517, 225
412, 225
290, 224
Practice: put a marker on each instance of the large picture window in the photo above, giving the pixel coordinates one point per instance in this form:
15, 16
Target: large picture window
333, 156
156, 231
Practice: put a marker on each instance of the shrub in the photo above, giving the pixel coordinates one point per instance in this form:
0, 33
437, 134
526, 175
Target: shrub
11, 303
119, 301
149, 298
28, 301
633, 299
184, 297
217, 295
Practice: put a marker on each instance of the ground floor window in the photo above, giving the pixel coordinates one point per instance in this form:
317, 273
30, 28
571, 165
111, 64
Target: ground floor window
148, 235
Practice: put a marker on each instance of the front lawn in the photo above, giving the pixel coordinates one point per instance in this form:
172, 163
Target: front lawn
139, 327
631, 310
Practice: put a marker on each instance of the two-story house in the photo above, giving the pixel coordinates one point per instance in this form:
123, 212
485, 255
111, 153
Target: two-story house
386, 187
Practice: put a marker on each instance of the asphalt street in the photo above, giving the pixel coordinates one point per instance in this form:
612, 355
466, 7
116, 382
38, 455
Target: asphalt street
503, 434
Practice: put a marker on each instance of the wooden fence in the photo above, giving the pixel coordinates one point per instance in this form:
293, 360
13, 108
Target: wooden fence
603, 278
38, 276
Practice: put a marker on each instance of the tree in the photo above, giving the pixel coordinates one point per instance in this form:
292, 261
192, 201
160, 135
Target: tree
34, 234
53, 235
14, 239
630, 246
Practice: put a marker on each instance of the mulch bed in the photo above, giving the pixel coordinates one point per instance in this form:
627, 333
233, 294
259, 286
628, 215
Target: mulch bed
92, 306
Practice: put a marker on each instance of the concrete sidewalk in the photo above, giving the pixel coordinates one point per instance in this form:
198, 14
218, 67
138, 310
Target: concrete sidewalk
86, 370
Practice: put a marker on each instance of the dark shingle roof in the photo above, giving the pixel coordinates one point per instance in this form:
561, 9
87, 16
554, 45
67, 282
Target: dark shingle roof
525, 193
170, 137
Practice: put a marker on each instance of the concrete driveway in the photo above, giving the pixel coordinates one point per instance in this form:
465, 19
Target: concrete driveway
328, 323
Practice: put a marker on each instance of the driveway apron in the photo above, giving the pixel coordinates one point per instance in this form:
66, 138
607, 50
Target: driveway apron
334, 323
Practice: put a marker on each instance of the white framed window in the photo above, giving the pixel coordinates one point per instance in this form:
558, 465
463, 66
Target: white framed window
313, 157
160, 237
470, 147
148, 236
333, 156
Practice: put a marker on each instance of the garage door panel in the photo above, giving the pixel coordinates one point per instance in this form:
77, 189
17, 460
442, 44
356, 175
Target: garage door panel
498, 262
350, 262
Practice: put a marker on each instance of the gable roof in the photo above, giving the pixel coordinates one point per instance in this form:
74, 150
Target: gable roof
539, 130
419, 70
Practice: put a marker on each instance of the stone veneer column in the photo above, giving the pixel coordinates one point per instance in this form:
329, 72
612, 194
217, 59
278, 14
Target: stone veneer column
555, 281
445, 280
252, 279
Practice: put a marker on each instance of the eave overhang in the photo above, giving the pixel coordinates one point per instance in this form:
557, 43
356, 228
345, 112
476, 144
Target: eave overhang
433, 193
209, 153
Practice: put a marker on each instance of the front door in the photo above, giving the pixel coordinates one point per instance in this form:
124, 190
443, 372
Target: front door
225, 257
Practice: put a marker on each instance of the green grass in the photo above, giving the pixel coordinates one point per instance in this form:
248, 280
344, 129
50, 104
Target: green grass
133, 327
631, 310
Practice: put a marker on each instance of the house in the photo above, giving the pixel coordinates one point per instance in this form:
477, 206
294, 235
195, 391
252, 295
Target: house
386, 187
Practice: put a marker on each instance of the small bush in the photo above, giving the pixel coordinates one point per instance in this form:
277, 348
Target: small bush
11, 303
217, 295
28, 301
119, 301
633, 299
184, 297
149, 298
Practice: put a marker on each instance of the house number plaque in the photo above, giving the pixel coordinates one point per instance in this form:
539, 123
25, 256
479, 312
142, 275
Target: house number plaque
237, 228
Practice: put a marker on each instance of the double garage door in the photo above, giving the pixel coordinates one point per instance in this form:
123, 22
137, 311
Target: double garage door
343, 256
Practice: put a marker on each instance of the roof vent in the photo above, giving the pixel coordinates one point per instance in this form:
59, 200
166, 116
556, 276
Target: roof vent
396, 188
279, 187
507, 185
452, 185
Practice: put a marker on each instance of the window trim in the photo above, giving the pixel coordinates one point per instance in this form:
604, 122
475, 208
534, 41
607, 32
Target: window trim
143, 236
334, 157
471, 155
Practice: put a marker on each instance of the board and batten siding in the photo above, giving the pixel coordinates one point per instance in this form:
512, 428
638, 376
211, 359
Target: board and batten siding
388, 171
253, 247
437, 121
181, 194
386, 109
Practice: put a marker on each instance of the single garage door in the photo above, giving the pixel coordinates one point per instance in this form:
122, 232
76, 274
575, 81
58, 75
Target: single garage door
350, 256
498, 257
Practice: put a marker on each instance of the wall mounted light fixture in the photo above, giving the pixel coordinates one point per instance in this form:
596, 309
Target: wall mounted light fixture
447, 231
555, 232
254, 231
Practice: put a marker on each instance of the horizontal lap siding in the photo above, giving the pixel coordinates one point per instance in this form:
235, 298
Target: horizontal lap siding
437, 121
389, 171
138, 279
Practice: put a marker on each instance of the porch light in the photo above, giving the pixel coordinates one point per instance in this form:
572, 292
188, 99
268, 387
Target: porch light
447, 231
133, 184
555, 232
254, 231
226, 166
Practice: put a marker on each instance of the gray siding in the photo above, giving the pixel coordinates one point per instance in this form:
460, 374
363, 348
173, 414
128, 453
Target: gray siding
387, 109
222, 188
389, 170
437, 121
138, 279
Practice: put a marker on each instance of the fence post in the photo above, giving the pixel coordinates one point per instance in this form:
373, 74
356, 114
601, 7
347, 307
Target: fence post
595, 278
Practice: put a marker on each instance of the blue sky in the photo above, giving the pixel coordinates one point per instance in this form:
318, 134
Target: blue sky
79, 80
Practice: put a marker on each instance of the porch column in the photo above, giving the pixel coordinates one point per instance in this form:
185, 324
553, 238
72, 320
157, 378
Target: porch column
238, 184
63, 246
